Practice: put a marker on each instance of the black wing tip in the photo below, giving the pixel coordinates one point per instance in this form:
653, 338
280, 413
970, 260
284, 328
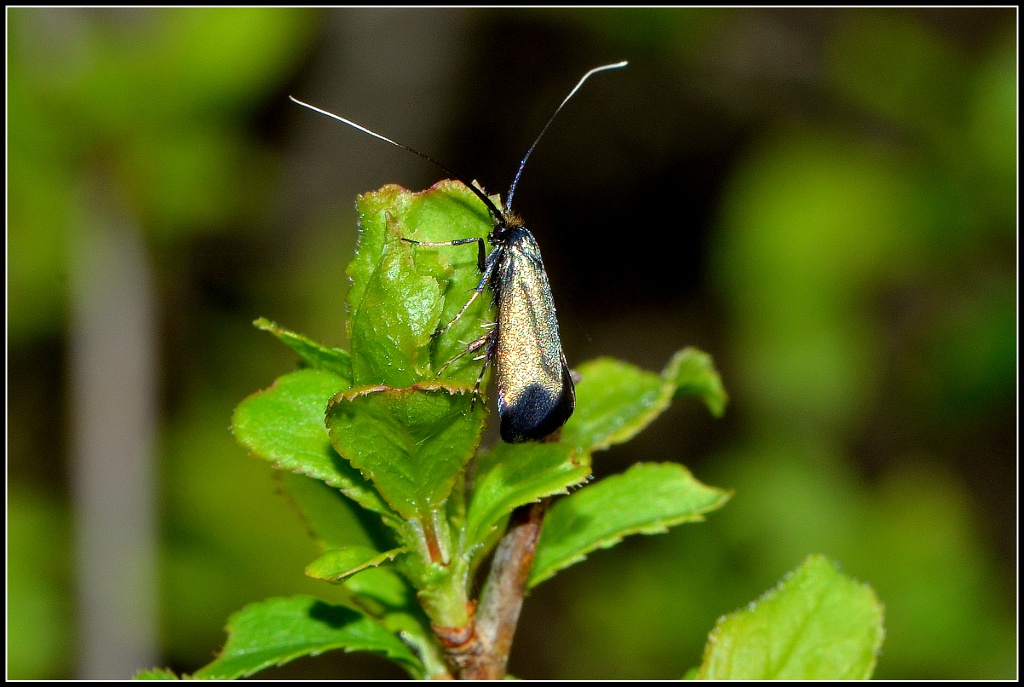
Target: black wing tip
538, 413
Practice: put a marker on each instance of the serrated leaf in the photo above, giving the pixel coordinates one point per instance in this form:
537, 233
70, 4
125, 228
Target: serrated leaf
646, 499
337, 564
512, 475
412, 443
393, 322
334, 360
408, 291
155, 674
817, 624
616, 400
276, 631
285, 424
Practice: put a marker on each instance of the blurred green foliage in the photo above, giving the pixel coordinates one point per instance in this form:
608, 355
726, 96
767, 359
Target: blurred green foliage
861, 263
156, 101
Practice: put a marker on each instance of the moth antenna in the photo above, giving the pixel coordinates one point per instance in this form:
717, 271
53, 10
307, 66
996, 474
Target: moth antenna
512, 188
496, 213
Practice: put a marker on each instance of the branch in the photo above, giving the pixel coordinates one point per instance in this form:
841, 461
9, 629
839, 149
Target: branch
502, 598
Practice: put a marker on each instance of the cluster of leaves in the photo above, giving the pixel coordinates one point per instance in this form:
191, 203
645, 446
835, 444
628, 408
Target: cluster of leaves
382, 459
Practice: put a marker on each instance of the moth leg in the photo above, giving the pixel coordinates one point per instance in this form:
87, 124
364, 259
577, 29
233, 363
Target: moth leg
473, 347
476, 292
483, 265
490, 339
481, 249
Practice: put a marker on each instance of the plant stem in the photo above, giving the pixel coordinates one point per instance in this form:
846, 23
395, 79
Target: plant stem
485, 654
479, 651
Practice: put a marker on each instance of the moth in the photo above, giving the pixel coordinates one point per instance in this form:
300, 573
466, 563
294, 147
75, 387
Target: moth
536, 395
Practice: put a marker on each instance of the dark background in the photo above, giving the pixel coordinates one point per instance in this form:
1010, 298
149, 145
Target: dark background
823, 200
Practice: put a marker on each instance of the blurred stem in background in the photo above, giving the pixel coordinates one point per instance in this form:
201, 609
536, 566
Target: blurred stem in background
126, 142
113, 371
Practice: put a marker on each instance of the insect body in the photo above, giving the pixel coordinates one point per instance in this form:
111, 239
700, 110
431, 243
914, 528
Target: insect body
535, 389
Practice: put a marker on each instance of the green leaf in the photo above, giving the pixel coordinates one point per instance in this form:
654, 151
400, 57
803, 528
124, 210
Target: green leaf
285, 424
646, 499
412, 443
385, 594
408, 291
393, 322
276, 631
695, 375
415, 629
511, 475
383, 586
817, 624
155, 674
616, 400
381, 592
334, 360
333, 519
337, 564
